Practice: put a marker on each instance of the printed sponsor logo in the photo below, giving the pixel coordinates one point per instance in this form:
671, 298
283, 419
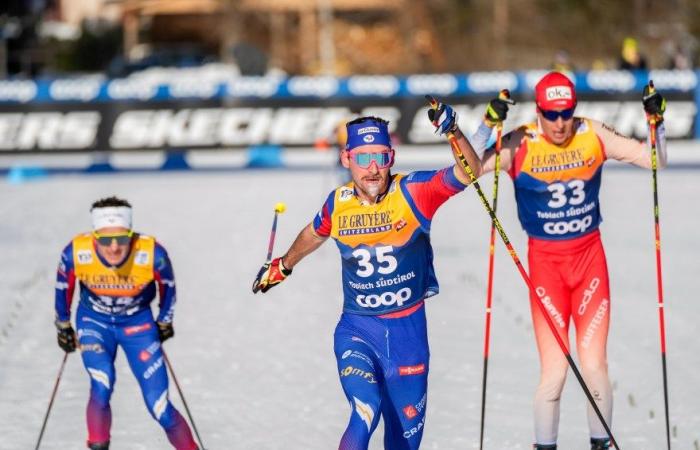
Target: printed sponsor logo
364, 223
111, 281
588, 295
141, 258
558, 93
345, 195
84, 257
412, 370
368, 139
414, 430
365, 130
96, 348
384, 299
595, 323
400, 224
359, 355
551, 309
137, 329
572, 226
410, 411
354, 371
149, 351
148, 373
550, 162
382, 85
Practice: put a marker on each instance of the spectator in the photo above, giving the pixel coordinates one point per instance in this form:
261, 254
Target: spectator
630, 57
562, 62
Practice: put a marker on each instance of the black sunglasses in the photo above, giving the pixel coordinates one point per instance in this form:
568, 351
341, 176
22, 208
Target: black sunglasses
554, 115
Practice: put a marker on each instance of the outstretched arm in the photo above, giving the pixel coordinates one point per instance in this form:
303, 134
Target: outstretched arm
306, 242
276, 271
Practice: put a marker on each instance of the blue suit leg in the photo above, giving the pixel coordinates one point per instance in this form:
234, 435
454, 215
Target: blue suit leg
98, 348
406, 382
143, 351
358, 369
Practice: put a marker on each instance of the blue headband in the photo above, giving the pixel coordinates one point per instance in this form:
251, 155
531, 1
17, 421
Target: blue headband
367, 132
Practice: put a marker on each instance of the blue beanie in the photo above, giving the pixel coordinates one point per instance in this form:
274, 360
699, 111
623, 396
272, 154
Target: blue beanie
367, 131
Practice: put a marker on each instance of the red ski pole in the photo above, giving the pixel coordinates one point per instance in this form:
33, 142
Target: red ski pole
657, 235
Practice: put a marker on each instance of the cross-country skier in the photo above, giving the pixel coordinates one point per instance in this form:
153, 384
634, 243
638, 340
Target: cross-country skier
556, 165
381, 224
119, 272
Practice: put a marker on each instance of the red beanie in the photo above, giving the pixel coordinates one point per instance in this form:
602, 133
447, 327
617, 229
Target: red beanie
555, 91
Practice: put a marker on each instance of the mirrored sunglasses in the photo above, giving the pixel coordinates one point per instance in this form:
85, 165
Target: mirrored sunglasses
554, 115
106, 239
364, 160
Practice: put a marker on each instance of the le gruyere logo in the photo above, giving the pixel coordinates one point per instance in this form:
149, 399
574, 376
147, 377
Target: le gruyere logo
377, 222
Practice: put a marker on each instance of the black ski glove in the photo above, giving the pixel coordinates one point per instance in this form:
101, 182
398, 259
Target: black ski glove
497, 109
165, 331
66, 336
654, 103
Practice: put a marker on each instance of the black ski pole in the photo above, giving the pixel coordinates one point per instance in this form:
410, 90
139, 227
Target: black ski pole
53, 396
182, 397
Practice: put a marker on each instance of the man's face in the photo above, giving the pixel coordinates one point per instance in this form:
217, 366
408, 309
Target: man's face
557, 124
113, 243
369, 167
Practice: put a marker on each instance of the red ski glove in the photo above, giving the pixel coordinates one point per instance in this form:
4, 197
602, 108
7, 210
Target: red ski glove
271, 274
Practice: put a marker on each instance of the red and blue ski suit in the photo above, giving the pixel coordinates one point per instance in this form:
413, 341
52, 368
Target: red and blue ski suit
381, 342
114, 311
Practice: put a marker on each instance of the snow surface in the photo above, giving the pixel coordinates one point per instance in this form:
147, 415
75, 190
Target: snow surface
258, 372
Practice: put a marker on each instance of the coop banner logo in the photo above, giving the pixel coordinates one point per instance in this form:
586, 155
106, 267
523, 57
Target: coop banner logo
206, 124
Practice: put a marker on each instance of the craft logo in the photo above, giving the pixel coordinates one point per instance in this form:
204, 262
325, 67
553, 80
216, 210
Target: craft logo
352, 224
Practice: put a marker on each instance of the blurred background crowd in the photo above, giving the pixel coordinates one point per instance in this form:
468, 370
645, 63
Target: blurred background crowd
53, 38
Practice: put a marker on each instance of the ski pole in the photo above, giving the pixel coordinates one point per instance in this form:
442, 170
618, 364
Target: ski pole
484, 201
279, 209
182, 397
657, 235
504, 95
53, 396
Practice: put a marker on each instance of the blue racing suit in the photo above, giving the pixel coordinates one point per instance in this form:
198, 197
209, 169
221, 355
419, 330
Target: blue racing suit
114, 310
381, 342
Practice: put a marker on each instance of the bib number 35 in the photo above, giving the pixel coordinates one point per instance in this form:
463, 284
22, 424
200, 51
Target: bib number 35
385, 263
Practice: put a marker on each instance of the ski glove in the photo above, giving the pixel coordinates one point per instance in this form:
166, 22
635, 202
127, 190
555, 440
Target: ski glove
444, 118
497, 109
66, 336
165, 331
271, 274
654, 103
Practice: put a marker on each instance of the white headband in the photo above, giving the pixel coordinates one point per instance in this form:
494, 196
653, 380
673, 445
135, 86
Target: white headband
111, 216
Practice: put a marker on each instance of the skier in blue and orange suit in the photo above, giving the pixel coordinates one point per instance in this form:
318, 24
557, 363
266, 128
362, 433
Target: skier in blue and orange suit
381, 224
556, 164
119, 272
